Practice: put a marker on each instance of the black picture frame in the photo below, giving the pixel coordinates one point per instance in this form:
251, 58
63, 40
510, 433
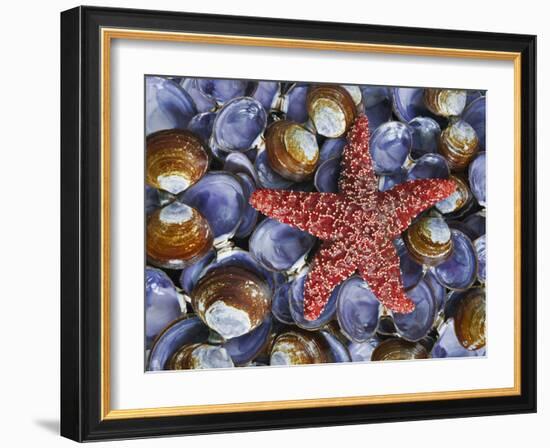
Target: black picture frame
81, 224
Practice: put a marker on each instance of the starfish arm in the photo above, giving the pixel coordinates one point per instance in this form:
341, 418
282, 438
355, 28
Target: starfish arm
357, 179
332, 264
405, 201
381, 270
315, 213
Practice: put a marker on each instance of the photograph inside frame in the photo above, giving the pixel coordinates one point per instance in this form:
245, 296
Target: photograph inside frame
294, 223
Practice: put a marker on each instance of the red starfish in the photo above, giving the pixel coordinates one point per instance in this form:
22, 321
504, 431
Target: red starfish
357, 225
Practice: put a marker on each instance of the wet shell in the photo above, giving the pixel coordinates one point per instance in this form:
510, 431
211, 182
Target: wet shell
429, 240
470, 320
299, 347
399, 349
292, 151
200, 356
458, 143
231, 300
458, 200
331, 109
445, 102
176, 159
177, 235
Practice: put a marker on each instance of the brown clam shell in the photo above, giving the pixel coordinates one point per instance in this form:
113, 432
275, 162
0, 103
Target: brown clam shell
231, 300
199, 356
458, 143
458, 200
331, 109
176, 159
399, 349
292, 150
445, 102
470, 320
429, 240
177, 235
297, 347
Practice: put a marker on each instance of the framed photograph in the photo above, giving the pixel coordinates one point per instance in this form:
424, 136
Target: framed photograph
276, 224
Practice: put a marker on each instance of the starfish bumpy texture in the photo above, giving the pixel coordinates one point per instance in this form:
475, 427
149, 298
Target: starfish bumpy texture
357, 225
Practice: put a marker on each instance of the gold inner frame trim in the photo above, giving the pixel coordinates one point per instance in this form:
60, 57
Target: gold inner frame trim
107, 35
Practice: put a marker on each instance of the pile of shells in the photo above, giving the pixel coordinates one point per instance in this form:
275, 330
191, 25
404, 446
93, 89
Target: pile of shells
224, 285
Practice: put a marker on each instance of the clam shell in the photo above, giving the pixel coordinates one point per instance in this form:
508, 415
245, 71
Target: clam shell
458, 143
481, 251
408, 103
377, 105
477, 178
175, 160
327, 176
267, 177
292, 151
475, 115
231, 300
161, 303
200, 356
202, 124
331, 148
445, 102
280, 305
399, 349
470, 320
415, 325
429, 166
222, 90
390, 145
429, 240
298, 347
388, 181
458, 201
250, 214
338, 351
331, 109
278, 246
411, 271
438, 290
190, 275
425, 132
202, 102
182, 332
177, 235
362, 351
357, 310
220, 198
239, 124
460, 269
167, 105
295, 103
266, 93
447, 346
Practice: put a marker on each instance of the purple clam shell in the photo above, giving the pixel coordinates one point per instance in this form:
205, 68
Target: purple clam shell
414, 326
331, 147
152, 199
460, 269
429, 166
408, 103
327, 176
167, 105
451, 302
266, 93
182, 332
245, 348
377, 105
388, 181
362, 351
425, 132
448, 346
476, 177
279, 247
238, 162
220, 198
474, 115
161, 302
475, 224
250, 214
190, 275
338, 351
390, 145
481, 251
202, 125
357, 310
411, 271
296, 109
202, 102
297, 305
267, 177
222, 90
239, 124
438, 290
280, 304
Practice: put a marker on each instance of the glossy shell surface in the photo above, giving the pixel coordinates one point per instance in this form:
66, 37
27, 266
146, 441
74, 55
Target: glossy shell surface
399, 350
331, 109
445, 102
429, 240
458, 143
299, 347
470, 320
